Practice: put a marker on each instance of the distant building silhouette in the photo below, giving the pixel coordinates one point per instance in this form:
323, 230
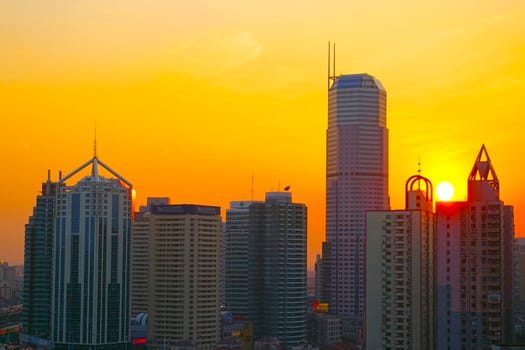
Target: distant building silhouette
400, 272
323, 273
8, 281
475, 265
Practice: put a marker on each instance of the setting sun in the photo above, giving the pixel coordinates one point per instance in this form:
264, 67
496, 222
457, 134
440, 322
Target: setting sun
445, 191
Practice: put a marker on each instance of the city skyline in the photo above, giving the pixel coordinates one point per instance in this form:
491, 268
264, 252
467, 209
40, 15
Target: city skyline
206, 100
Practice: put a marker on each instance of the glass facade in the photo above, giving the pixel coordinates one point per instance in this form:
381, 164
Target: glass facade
37, 265
277, 269
91, 263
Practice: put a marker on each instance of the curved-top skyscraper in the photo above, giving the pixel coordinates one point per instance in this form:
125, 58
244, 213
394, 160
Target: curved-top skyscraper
356, 181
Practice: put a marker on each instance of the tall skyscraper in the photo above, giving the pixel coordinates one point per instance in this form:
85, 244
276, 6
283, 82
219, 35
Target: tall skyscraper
400, 272
474, 264
266, 266
184, 272
91, 257
38, 250
519, 289
236, 257
356, 181
277, 269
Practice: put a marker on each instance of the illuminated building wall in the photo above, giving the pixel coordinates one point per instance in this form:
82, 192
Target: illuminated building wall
184, 272
400, 273
140, 259
356, 181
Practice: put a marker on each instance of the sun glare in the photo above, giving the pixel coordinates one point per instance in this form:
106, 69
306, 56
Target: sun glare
445, 191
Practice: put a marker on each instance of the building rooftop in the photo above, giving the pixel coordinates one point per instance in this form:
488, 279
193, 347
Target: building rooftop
362, 80
185, 209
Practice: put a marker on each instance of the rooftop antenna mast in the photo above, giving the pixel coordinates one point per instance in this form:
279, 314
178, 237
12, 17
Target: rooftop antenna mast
252, 185
331, 65
95, 142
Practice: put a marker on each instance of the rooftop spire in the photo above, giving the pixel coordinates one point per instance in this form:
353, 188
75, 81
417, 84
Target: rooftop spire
483, 169
483, 182
95, 142
94, 168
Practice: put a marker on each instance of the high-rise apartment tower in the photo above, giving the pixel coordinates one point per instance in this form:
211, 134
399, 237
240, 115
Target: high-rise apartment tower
184, 272
475, 265
265, 260
277, 269
400, 272
140, 256
236, 257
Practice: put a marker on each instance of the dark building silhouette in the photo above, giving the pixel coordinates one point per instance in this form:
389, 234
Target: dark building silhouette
38, 250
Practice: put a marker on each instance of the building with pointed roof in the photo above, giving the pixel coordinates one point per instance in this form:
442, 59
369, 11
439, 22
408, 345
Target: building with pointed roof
91, 260
474, 252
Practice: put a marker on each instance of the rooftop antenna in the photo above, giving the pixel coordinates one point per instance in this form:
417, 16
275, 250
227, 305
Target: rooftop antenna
333, 68
252, 186
331, 72
95, 142
419, 165
328, 75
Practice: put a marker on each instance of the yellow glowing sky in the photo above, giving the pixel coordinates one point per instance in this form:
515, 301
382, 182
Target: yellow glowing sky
191, 98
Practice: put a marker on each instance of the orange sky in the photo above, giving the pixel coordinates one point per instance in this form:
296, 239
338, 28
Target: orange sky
191, 98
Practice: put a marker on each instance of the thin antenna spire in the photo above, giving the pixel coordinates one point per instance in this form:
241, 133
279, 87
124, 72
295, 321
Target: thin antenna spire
333, 72
95, 142
328, 76
419, 164
252, 185
331, 64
